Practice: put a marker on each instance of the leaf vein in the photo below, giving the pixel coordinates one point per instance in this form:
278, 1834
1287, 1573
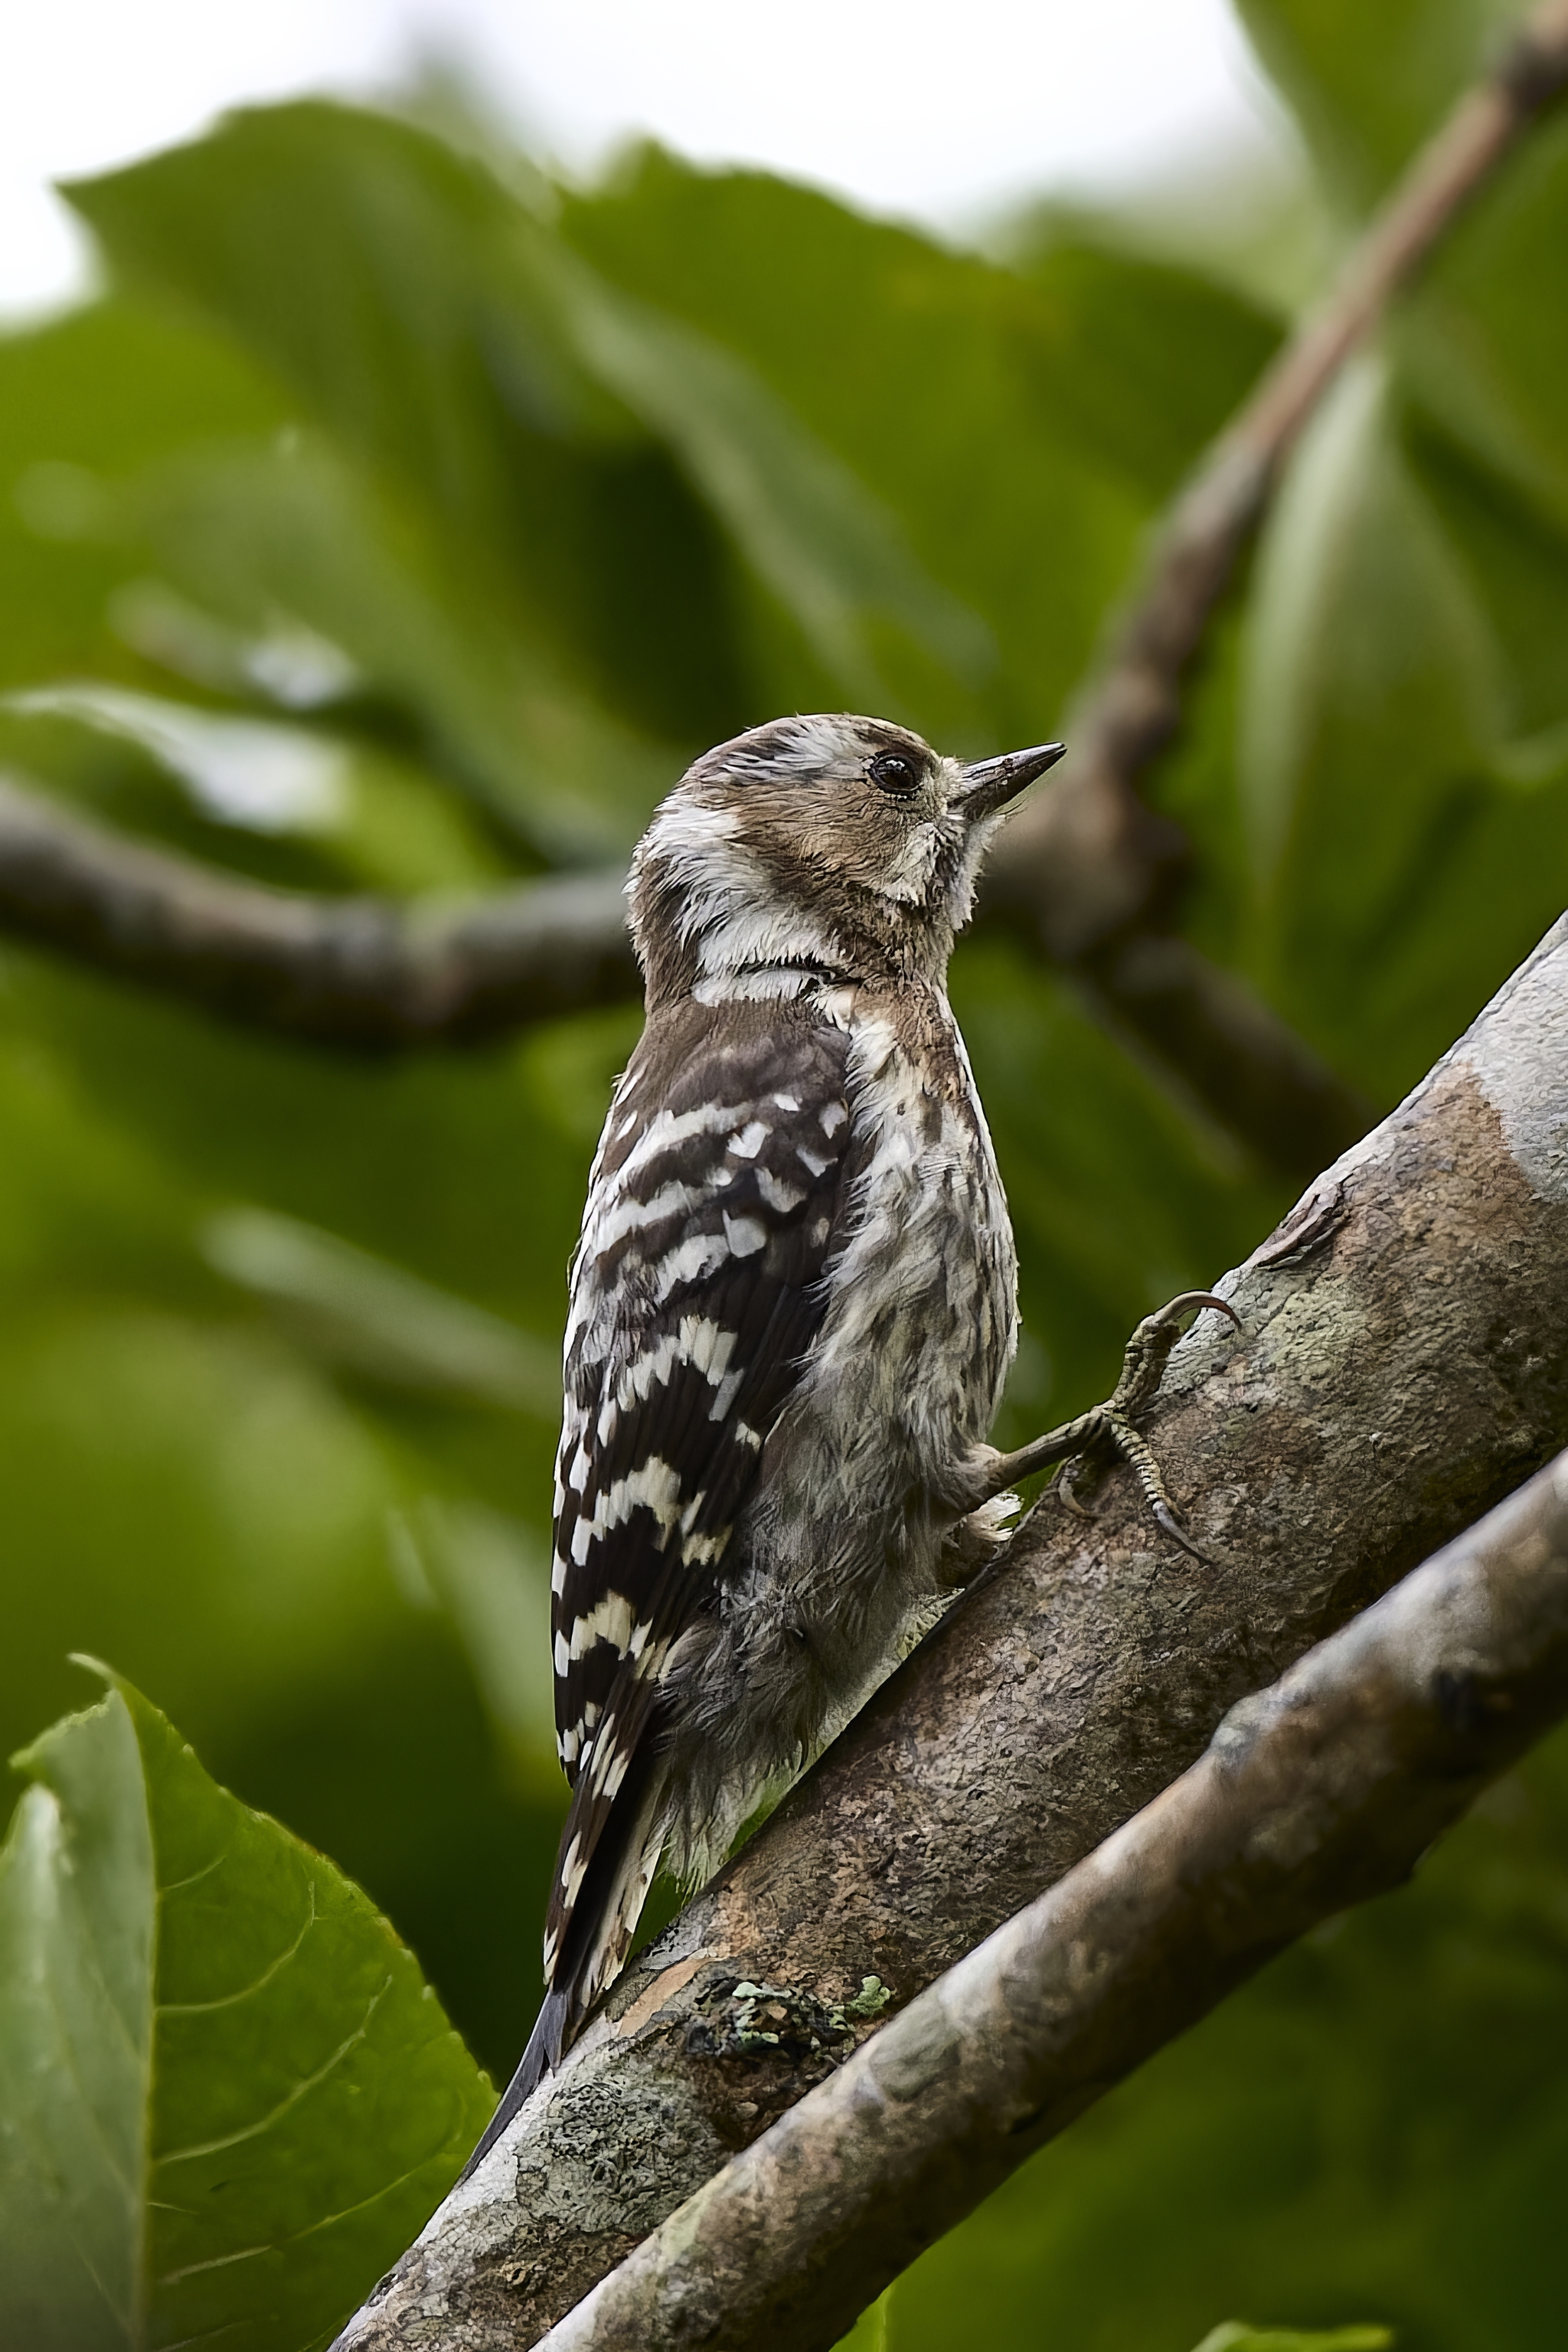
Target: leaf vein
264, 2123
229, 1999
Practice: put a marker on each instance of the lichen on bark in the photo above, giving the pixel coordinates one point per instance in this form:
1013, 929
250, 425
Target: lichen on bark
1395, 1383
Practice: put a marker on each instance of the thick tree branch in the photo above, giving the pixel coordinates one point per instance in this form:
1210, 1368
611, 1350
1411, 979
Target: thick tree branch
1088, 871
1322, 1791
353, 971
1405, 1365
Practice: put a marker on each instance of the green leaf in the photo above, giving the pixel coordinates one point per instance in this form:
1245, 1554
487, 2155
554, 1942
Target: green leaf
226, 2098
63, 445
1367, 89
1358, 623
835, 559
1514, 555
1016, 422
446, 336
1371, 708
382, 274
292, 529
1485, 339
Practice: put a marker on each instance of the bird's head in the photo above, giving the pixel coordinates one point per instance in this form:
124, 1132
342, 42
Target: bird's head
828, 848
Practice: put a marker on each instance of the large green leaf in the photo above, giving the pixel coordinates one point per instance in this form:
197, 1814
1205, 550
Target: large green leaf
1486, 342
834, 560
63, 443
1360, 631
296, 530
446, 339
226, 2098
1367, 86
1019, 422
382, 276
1404, 852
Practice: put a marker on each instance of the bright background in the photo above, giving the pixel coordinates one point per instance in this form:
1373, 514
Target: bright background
856, 95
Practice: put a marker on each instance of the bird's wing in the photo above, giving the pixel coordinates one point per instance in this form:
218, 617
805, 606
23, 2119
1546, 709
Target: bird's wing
696, 1293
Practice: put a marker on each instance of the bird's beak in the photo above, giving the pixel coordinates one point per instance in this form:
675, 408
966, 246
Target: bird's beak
991, 784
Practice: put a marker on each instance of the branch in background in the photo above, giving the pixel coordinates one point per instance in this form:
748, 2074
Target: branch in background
1086, 869
1405, 1365
1320, 1791
345, 971
370, 974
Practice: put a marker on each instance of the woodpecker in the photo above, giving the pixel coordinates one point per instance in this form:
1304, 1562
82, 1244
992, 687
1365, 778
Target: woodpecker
793, 1310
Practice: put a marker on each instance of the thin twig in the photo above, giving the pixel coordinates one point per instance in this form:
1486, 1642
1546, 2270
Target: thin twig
1086, 867
1320, 1792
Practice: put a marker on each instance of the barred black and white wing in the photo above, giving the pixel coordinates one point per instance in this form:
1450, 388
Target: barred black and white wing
695, 1294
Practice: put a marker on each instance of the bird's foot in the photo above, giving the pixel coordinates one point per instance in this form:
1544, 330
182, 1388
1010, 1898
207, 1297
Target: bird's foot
1084, 1447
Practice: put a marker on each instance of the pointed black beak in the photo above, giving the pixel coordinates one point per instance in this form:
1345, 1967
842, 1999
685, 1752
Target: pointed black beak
992, 783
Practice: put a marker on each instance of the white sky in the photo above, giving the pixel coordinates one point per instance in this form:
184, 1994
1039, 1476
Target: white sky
934, 107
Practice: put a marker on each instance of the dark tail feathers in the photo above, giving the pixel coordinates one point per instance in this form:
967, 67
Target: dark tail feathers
541, 2057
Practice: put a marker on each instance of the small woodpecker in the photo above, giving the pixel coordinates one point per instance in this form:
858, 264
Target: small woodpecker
792, 1309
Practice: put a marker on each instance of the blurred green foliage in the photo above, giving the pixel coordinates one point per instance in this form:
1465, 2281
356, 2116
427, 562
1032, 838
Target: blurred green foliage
399, 520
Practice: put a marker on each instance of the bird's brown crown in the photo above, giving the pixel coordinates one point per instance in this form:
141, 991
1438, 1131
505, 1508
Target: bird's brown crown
827, 847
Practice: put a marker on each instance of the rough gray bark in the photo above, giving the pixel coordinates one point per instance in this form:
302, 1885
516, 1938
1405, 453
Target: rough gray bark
1322, 1791
1405, 1365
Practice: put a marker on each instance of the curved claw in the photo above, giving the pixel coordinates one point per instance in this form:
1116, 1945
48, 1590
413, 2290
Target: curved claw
1199, 1299
1062, 1487
1166, 1518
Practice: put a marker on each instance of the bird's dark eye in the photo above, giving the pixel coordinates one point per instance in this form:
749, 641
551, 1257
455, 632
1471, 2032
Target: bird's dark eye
895, 774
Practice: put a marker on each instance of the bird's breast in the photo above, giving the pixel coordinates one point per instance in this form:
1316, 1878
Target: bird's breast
921, 1323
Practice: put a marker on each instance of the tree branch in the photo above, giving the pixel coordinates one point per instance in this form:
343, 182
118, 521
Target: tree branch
1405, 1364
1086, 867
1320, 1791
347, 971
1088, 871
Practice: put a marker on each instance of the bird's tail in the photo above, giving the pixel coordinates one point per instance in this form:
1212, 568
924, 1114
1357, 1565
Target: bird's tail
598, 1932
541, 2057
